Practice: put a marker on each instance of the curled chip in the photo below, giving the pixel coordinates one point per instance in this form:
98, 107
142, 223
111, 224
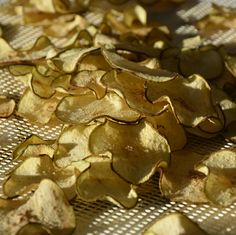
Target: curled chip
132, 88
137, 150
220, 185
7, 107
36, 109
101, 182
85, 108
167, 124
28, 174
181, 182
47, 207
176, 224
73, 144
206, 61
190, 97
33, 146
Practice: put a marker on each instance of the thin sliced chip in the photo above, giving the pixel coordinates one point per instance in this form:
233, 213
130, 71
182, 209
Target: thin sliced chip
7, 107
28, 174
190, 98
73, 144
174, 224
36, 109
47, 206
137, 150
118, 62
50, 6
132, 88
181, 182
220, 185
85, 108
67, 61
205, 61
167, 124
91, 80
100, 182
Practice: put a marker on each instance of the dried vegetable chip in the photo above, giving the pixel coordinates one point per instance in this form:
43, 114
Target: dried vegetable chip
220, 186
176, 224
137, 150
73, 144
85, 108
99, 182
28, 174
7, 107
48, 207
181, 181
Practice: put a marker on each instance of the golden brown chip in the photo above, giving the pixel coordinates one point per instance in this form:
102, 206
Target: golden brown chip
220, 185
34, 228
36, 109
28, 174
85, 108
167, 124
176, 224
181, 182
73, 144
190, 98
47, 207
100, 182
7, 107
118, 62
137, 150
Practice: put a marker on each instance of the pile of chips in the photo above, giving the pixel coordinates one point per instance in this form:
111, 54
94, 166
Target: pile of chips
126, 95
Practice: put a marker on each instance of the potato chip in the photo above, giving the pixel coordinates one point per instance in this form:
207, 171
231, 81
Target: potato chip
7, 107
100, 182
137, 150
36, 109
220, 185
29, 173
167, 125
85, 108
190, 98
206, 61
175, 223
47, 207
132, 88
33, 228
118, 62
73, 144
33, 145
181, 181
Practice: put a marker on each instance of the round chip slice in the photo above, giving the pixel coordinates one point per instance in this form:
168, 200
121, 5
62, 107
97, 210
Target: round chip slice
137, 150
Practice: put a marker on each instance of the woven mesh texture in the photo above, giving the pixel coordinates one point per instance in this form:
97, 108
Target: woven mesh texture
102, 217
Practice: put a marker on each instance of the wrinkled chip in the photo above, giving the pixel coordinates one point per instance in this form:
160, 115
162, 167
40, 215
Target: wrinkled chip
190, 98
167, 124
85, 108
176, 224
67, 61
7, 107
91, 80
132, 88
47, 207
205, 61
28, 174
100, 182
220, 185
181, 182
73, 144
118, 62
137, 150
33, 146
36, 109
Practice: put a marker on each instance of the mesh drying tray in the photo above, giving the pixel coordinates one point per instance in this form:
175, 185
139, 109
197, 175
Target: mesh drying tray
103, 217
